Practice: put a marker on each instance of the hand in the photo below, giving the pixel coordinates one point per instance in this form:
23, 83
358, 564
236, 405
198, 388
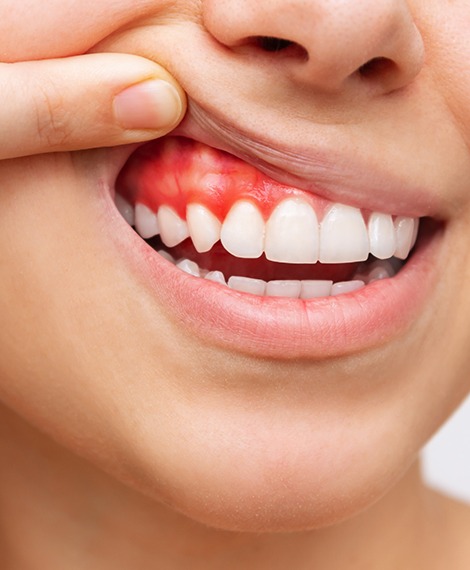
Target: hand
85, 101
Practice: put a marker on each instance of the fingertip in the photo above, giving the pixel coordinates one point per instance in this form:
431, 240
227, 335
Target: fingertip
153, 104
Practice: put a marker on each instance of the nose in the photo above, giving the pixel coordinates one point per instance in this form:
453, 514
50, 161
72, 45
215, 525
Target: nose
330, 45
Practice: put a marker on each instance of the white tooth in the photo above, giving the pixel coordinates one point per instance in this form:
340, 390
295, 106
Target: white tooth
292, 233
286, 288
315, 288
343, 236
405, 228
125, 209
415, 232
146, 222
203, 226
380, 270
173, 229
189, 267
216, 276
166, 255
242, 232
382, 235
247, 285
346, 287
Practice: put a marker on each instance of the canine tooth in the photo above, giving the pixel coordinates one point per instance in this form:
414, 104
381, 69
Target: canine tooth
343, 236
125, 209
247, 285
287, 288
173, 229
382, 235
346, 287
242, 232
190, 267
405, 228
203, 226
146, 222
216, 276
312, 289
292, 233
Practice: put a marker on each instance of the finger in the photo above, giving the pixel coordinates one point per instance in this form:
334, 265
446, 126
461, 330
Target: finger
86, 101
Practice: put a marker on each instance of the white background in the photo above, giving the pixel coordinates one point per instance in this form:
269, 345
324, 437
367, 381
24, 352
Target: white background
446, 458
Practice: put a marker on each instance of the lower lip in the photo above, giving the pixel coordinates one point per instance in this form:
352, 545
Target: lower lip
283, 328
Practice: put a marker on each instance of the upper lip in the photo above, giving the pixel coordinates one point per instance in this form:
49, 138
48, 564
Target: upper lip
336, 176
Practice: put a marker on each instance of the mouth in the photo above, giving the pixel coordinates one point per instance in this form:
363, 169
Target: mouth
267, 268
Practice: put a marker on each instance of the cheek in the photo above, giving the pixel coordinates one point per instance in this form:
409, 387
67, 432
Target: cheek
34, 29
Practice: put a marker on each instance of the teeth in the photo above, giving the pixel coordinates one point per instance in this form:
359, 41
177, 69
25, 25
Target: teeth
125, 209
216, 276
189, 267
314, 289
166, 255
146, 222
283, 289
343, 236
247, 285
346, 287
173, 229
405, 231
292, 234
382, 236
243, 230
204, 227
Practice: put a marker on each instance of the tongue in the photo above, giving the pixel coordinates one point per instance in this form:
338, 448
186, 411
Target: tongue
175, 171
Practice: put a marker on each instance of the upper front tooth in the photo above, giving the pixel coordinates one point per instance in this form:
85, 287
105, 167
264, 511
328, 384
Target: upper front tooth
204, 227
382, 235
243, 230
292, 234
146, 222
343, 236
173, 229
405, 231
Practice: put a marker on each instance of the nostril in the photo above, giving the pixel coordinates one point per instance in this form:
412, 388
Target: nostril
267, 43
376, 68
271, 44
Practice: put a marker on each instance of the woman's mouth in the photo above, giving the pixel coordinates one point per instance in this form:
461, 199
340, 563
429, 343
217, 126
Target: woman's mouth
280, 265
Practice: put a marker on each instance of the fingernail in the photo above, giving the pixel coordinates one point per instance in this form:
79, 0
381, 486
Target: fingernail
153, 104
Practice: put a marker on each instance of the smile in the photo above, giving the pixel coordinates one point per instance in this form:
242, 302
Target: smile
247, 249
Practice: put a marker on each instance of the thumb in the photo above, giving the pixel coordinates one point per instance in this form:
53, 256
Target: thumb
85, 101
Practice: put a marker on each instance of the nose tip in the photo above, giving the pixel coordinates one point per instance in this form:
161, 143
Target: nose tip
327, 44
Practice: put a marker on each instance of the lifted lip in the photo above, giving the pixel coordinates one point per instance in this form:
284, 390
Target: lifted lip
338, 176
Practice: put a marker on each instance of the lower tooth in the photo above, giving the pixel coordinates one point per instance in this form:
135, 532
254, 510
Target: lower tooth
346, 287
216, 276
189, 267
283, 289
166, 255
314, 289
247, 285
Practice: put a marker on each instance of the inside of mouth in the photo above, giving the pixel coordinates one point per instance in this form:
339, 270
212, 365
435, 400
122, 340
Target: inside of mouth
178, 194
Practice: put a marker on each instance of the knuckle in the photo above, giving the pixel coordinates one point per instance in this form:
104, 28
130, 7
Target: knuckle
52, 116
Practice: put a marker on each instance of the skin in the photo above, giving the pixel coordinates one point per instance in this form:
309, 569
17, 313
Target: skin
128, 442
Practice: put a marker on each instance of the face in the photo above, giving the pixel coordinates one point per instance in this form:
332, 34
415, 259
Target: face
240, 410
